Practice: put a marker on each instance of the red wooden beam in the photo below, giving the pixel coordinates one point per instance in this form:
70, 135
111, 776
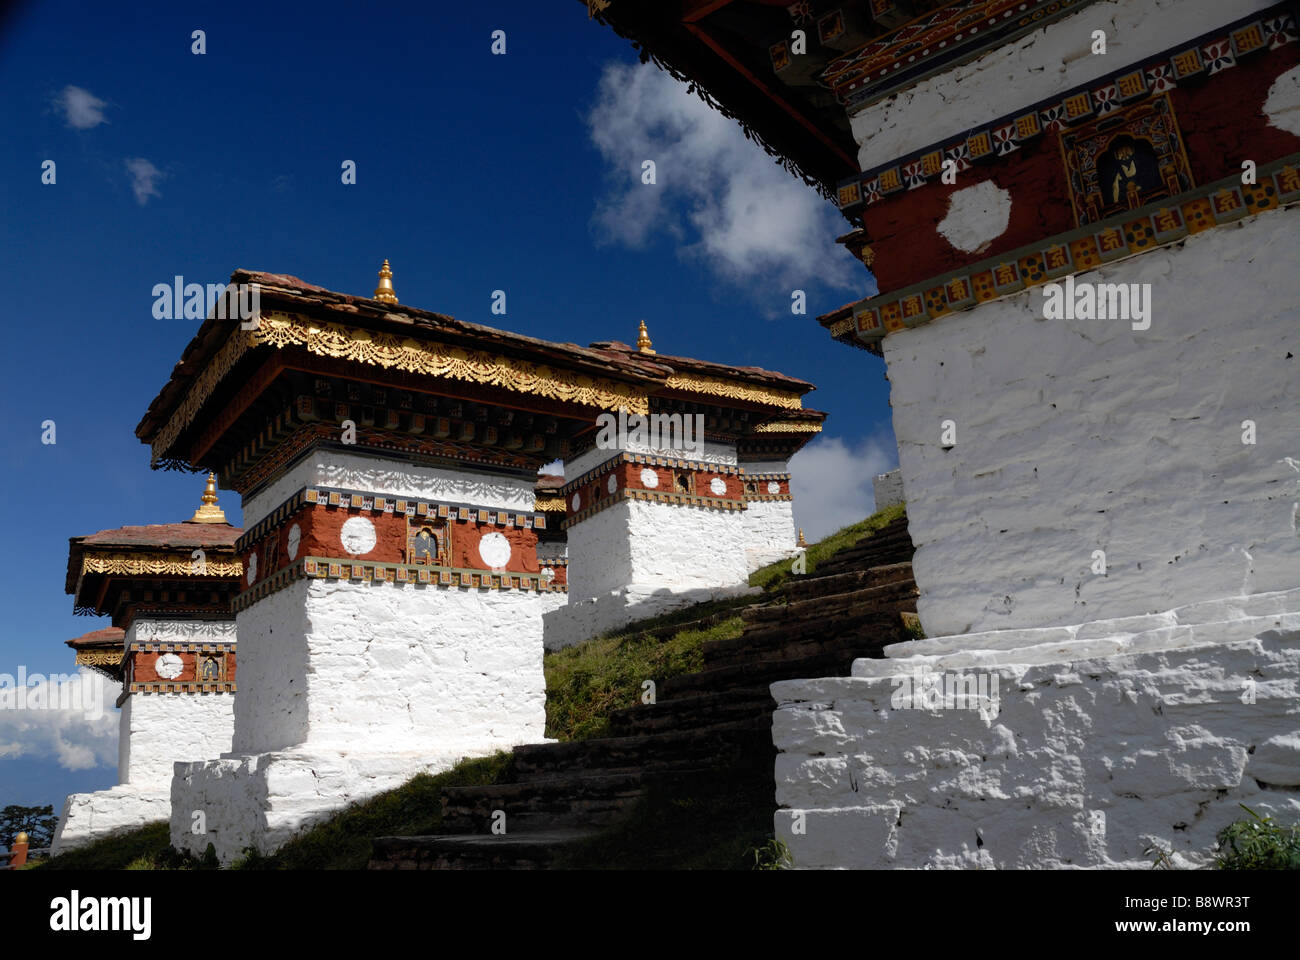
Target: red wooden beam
693, 10
769, 92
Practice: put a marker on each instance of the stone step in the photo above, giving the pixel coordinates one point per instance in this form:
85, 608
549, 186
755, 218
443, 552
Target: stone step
1063, 651
650, 753
901, 588
866, 635
753, 705
817, 585
893, 543
845, 620
520, 851
572, 801
755, 673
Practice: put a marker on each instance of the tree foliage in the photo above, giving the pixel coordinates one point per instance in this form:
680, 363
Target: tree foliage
37, 822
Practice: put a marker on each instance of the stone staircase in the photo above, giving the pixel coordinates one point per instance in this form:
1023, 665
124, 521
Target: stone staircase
705, 726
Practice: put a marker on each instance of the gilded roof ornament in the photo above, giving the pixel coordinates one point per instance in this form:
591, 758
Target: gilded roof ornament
209, 512
643, 339
385, 290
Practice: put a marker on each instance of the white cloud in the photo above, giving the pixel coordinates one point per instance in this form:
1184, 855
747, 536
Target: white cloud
744, 213
71, 720
81, 108
831, 482
143, 177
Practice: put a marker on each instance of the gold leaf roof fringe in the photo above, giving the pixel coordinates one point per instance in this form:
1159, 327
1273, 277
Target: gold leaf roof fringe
439, 360
390, 351
718, 387
136, 564
786, 427
98, 658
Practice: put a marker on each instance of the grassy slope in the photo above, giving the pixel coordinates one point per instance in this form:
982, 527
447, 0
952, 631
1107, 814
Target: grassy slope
585, 684
588, 682
115, 852
771, 577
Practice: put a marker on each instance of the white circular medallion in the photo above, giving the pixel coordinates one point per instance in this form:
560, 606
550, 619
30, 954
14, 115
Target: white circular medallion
252, 567
495, 550
718, 486
167, 666
357, 536
548, 573
577, 501
773, 487
612, 484
649, 478
294, 539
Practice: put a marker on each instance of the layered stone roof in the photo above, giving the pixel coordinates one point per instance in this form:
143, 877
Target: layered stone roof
179, 539
102, 650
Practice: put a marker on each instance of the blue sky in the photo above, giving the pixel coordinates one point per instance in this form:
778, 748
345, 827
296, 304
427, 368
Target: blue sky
475, 172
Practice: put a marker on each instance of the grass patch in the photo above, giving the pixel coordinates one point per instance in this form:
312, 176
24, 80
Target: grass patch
773, 575
1259, 843
120, 851
587, 682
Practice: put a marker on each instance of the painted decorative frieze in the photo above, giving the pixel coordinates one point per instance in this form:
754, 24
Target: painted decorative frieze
1195, 68
1223, 202
180, 668
762, 487
1147, 134
355, 535
630, 476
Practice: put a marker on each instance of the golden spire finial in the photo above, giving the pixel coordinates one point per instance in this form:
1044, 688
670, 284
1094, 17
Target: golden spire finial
385, 291
643, 339
802, 541
209, 512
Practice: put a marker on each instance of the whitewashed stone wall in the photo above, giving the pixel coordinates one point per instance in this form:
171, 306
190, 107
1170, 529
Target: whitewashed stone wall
271, 708
888, 489
1080, 435
770, 533
86, 817
1088, 757
639, 559
1042, 63
159, 729
400, 667
261, 800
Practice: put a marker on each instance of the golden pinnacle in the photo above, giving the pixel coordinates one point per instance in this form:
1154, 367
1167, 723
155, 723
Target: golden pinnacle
802, 541
643, 339
385, 290
209, 512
